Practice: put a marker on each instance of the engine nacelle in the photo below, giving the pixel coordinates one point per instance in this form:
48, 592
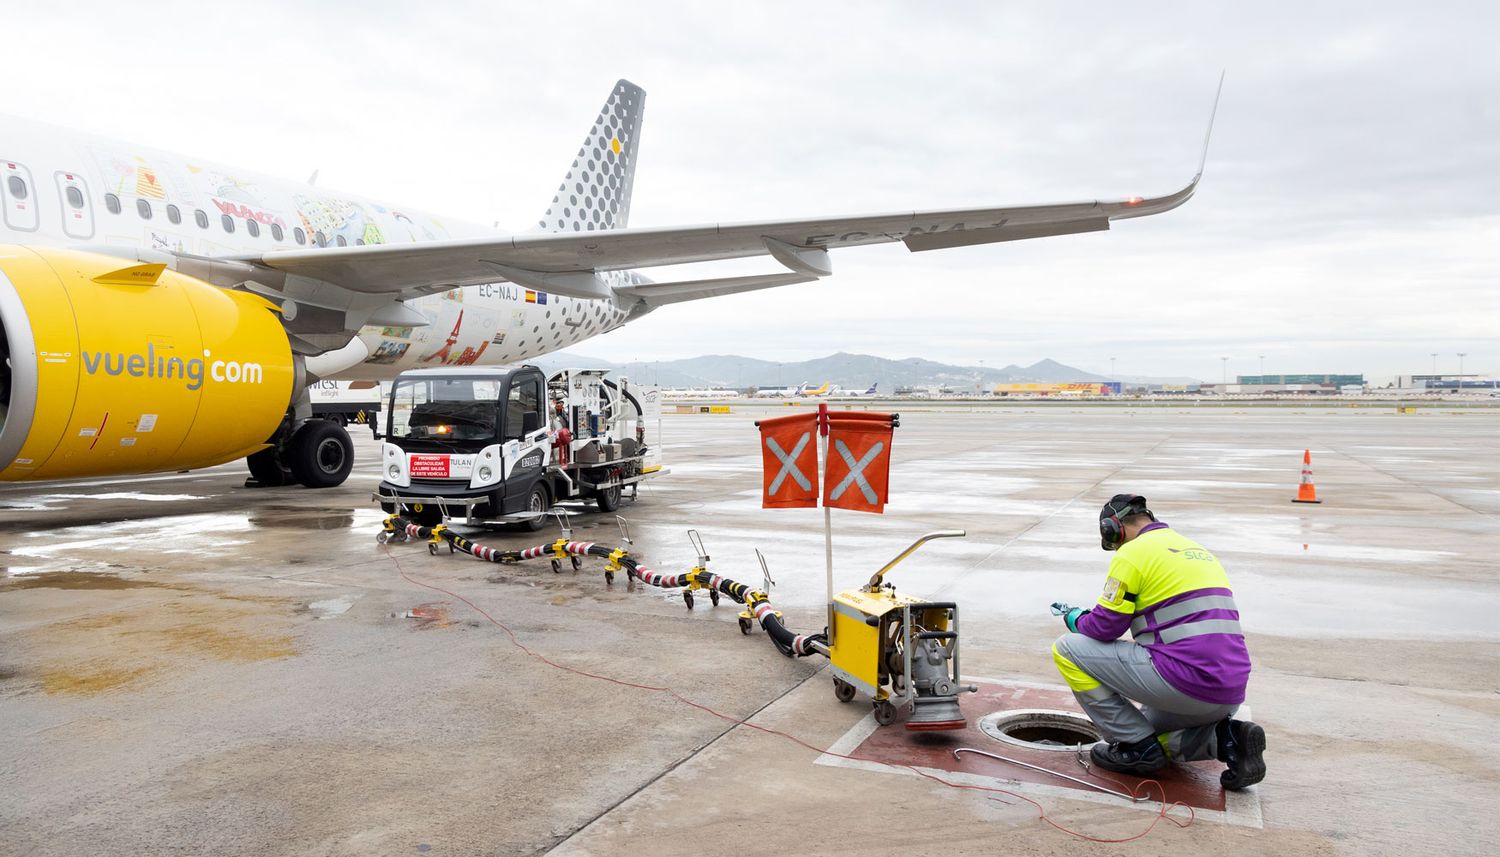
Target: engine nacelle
116, 367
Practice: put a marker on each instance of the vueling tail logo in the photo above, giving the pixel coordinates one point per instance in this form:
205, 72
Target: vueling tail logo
191, 370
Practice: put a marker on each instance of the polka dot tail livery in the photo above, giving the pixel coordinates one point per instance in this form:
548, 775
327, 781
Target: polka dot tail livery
595, 193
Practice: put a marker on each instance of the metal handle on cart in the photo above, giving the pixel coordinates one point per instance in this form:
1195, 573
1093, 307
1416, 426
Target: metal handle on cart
876, 579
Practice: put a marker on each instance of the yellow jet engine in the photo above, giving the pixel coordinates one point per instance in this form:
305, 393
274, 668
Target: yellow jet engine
109, 369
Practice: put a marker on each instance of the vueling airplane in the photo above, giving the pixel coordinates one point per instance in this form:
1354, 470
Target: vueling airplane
162, 312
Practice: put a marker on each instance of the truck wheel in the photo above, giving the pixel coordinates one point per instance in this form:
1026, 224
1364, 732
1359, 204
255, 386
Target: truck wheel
320, 454
538, 502
608, 499
267, 469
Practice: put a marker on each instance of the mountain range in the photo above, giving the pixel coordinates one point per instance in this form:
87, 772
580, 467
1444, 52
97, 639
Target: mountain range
850, 371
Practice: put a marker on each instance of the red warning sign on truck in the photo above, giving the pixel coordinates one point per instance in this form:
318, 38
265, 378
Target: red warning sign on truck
429, 466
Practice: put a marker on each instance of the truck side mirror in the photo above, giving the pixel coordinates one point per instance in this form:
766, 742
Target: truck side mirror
530, 422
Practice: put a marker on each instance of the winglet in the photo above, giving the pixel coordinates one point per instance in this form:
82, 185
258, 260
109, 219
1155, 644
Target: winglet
1208, 135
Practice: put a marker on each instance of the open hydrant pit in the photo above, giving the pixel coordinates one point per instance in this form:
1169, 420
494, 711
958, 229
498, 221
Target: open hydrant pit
1040, 728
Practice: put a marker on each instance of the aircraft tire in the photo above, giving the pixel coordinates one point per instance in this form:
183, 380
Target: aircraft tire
267, 470
320, 454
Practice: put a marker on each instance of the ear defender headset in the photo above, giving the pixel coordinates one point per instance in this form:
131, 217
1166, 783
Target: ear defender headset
1120, 506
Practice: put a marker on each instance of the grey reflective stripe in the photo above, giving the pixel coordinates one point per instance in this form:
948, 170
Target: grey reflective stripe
1191, 629
1173, 612
1101, 692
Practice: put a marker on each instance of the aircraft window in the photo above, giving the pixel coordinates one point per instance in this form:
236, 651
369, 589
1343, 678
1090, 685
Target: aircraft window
298, 234
112, 203
17, 187
143, 208
228, 223
276, 232
75, 197
359, 242
200, 217
339, 239
253, 228
321, 239
174, 214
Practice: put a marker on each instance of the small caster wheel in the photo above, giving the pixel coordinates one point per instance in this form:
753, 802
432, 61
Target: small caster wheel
609, 577
744, 626
382, 537
432, 548
687, 598
556, 567
713, 597
843, 691
577, 563
885, 713
451, 548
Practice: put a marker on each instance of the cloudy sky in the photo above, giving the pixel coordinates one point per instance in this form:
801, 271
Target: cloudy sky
1349, 220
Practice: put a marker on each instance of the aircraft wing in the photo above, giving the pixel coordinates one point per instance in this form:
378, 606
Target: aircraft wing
599, 264
572, 263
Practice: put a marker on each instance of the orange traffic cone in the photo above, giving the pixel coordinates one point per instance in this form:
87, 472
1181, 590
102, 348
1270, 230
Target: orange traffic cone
1306, 491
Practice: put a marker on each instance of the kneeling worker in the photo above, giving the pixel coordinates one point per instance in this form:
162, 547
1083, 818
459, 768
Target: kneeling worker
1187, 665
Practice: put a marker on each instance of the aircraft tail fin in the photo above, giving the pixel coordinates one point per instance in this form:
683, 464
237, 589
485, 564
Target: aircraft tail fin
595, 192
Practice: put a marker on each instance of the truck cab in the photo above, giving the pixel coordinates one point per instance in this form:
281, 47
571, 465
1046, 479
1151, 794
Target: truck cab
502, 444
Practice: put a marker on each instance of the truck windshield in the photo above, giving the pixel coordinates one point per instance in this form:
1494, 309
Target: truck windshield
445, 409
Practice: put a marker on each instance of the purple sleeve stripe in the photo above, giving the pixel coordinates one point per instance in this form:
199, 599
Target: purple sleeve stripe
1103, 624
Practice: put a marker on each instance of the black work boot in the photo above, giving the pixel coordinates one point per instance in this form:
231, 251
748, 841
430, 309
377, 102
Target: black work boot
1141, 758
1241, 744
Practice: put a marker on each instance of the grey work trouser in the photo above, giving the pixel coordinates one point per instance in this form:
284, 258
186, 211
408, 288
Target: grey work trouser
1184, 725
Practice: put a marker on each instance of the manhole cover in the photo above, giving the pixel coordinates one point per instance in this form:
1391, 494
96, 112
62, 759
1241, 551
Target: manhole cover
1040, 728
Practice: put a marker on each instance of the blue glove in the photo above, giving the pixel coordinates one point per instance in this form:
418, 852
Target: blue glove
1070, 614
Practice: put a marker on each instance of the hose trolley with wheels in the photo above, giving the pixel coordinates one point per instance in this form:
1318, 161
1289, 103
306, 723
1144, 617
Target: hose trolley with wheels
504, 444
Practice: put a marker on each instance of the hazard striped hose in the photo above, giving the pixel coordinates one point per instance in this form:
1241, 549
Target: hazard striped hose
786, 641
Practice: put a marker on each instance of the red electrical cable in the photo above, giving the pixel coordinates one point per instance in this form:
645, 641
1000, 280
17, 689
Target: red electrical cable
1162, 813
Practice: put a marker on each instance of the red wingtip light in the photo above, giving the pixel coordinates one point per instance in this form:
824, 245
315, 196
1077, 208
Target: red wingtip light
1134, 201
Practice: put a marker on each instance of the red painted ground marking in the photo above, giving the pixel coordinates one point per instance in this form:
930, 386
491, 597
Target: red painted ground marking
1195, 784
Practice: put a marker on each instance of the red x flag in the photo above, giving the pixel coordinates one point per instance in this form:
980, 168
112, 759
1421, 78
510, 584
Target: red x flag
789, 459
857, 474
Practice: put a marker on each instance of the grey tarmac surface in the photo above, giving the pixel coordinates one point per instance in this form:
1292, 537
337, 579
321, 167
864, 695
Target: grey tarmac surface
188, 666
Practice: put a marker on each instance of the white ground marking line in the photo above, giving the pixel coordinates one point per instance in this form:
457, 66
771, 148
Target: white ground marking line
185, 477
1241, 808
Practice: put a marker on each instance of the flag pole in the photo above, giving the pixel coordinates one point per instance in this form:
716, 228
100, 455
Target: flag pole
827, 512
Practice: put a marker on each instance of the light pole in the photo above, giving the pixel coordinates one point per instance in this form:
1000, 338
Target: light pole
1434, 365
1226, 370
1112, 369
1263, 368
1461, 356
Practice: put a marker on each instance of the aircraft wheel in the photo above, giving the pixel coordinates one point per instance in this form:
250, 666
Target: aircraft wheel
320, 454
267, 469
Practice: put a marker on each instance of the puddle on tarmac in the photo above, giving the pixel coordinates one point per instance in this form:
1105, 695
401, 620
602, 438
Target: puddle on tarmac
302, 518
77, 580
